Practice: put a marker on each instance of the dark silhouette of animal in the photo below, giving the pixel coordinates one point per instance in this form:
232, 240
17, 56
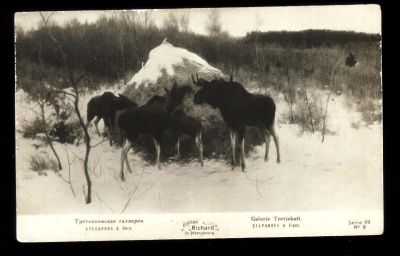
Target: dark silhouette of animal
153, 119
105, 107
239, 108
351, 60
183, 124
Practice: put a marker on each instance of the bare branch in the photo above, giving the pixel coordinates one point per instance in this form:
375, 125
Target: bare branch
63, 92
79, 158
84, 192
332, 82
69, 171
81, 77
45, 20
128, 202
31, 109
117, 179
95, 145
101, 200
144, 192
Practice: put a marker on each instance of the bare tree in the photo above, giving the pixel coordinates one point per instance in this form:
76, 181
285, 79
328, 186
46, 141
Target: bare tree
184, 22
118, 28
41, 96
309, 108
147, 21
131, 22
331, 85
73, 80
290, 100
214, 26
171, 23
258, 23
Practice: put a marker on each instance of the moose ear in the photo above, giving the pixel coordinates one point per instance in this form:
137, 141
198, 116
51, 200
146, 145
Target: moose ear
231, 79
196, 82
166, 90
175, 85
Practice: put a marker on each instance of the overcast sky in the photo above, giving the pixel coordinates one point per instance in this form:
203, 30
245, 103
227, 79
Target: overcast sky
239, 21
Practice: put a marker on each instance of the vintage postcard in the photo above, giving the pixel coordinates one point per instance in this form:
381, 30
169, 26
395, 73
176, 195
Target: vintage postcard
198, 123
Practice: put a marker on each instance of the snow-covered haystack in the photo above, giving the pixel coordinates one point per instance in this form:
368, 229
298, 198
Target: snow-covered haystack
166, 63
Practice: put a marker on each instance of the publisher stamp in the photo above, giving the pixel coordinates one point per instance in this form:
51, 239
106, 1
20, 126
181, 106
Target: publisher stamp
199, 228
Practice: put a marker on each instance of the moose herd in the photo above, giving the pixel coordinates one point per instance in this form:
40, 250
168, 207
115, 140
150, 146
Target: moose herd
238, 108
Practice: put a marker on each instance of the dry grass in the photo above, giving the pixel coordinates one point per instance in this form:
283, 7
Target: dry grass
30, 129
40, 163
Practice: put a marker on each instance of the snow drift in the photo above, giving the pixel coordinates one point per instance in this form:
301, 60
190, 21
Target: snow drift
343, 173
167, 62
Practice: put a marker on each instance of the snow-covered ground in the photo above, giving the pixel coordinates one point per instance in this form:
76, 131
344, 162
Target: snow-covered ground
344, 172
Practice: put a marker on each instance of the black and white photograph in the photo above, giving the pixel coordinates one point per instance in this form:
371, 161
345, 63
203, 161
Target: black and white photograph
198, 123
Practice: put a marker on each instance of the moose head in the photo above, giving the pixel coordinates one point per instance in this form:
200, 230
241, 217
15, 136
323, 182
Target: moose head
124, 102
175, 95
209, 91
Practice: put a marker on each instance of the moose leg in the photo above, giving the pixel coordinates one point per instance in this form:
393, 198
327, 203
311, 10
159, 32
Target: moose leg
232, 134
96, 122
177, 149
109, 129
158, 151
276, 141
267, 137
242, 156
199, 145
127, 161
123, 156
121, 172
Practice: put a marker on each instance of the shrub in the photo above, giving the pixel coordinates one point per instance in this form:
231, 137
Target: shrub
40, 163
309, 110
30, 129
370, 109
67, 132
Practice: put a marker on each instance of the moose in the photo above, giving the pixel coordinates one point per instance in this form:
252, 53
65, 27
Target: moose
105, 107
239, 108
182, 124
153, 118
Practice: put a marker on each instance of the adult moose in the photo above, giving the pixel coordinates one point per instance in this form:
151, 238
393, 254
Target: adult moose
181, 123
239, 108
153, 118
105, 107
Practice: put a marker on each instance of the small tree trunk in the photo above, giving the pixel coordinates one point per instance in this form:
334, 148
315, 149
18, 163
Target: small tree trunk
88, 196
47, 135
290, 96
123, 58
310, 114
325, 116
332, 83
